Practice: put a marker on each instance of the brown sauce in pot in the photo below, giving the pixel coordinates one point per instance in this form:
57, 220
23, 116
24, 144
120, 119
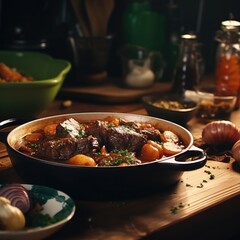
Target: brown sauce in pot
109, 142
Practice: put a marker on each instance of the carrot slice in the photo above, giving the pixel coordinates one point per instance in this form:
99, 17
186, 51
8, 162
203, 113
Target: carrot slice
158, 146
50, 130
149, 153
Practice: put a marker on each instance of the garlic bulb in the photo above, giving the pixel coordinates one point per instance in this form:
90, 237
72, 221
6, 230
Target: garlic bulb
11, 218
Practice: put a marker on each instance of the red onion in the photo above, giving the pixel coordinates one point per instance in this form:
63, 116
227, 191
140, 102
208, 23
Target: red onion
220, 133
17, 195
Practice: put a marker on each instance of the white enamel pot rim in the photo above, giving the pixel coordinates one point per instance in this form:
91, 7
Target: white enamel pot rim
190, 150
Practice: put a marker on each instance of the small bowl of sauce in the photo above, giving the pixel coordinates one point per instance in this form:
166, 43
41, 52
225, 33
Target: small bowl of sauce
212, 106
172, 107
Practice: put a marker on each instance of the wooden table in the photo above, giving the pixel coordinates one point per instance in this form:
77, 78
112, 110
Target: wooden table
195, 208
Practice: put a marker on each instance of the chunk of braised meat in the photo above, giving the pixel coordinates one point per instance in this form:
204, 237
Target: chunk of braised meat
69, 128
127, 135
149, 131
152, 133
97, 129
64, 148
122, 137
129, 123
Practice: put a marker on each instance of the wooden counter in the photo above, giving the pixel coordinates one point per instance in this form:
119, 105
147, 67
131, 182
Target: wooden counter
197, 207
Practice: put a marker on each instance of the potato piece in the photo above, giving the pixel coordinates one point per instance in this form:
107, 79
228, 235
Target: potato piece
81, 160
33, 137
169, 136
171, 148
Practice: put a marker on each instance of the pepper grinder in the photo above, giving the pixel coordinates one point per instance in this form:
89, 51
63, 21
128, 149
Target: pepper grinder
187, 72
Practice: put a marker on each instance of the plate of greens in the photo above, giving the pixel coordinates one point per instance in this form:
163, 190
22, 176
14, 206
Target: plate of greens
33, 212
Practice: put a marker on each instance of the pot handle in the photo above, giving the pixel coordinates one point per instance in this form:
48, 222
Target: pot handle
9, 123
192, 159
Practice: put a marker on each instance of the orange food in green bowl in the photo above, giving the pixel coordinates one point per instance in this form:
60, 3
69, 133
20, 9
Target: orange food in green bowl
29, 98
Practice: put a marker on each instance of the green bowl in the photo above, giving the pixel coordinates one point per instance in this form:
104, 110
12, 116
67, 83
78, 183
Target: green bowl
27, 99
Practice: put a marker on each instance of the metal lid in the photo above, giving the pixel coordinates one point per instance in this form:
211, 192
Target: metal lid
230, 24
189, 36
229, 32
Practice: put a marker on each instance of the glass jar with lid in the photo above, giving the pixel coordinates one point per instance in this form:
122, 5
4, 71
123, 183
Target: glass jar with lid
227, 72
188, 69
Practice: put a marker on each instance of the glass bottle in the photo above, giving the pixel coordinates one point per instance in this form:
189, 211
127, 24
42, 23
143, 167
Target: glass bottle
173, 28
187, 72
227, 72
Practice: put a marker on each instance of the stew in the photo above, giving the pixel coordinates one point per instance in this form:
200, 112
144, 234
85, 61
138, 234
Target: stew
108, 142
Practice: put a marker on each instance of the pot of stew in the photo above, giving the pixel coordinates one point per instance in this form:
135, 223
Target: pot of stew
101, 155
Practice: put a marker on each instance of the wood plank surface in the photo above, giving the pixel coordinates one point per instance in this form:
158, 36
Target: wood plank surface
139, 218
111, 93
197, 207
5, 162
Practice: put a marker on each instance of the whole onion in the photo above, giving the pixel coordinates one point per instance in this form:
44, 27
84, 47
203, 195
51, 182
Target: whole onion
221, 133
236, 151
17, 195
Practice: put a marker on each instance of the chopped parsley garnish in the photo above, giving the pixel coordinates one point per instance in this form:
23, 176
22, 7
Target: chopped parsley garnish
81, 134
128, 127
181, 205
175, 209
33, 145
212, 176
200, 186
116, 157
122, 152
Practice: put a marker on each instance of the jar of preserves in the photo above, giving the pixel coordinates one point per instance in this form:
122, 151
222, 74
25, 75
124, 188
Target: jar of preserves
227, 72
187, 72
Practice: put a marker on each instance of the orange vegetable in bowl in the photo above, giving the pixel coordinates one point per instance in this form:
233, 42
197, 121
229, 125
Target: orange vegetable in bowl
82, 160
149, 153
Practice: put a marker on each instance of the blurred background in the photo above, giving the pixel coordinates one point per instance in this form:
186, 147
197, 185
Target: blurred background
50, 26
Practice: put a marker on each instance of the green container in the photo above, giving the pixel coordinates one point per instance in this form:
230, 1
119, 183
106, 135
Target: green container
27, 99
144, 27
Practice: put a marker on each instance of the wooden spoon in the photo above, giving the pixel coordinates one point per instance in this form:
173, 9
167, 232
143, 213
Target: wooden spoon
99, 12
81, 23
